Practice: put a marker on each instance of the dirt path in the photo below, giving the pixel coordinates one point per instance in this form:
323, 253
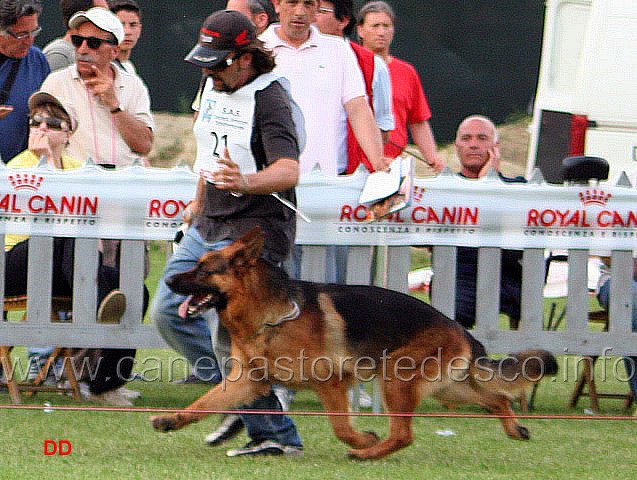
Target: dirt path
174, 141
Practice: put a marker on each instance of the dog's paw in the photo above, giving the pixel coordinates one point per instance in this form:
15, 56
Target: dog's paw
163, 423
373, 439
523, 432
356, 454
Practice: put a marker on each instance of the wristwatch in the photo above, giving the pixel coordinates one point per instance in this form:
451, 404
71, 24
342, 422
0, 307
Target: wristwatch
117, 109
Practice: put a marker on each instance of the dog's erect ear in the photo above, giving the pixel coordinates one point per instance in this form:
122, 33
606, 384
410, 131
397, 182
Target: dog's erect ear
252, 244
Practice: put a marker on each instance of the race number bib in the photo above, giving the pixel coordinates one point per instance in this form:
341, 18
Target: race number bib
224, 121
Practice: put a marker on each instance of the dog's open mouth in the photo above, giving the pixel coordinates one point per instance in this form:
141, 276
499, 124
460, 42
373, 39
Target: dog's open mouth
196, 304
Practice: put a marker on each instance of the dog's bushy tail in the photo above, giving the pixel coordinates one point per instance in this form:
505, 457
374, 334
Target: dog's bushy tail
531, 365
536, 362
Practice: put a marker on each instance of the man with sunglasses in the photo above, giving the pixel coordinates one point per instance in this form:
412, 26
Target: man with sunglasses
116, 124
23, 68
60, 52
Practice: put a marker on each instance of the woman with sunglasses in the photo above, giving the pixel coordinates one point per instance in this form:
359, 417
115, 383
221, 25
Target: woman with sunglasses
50, 129
51, 125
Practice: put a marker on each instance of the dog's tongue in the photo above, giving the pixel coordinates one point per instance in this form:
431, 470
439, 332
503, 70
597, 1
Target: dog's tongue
183, 308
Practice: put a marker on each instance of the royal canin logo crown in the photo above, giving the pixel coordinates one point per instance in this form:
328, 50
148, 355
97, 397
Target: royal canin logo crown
594, 197
418, 193
28, 181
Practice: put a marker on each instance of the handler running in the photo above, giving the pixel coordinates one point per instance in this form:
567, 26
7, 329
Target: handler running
247, 148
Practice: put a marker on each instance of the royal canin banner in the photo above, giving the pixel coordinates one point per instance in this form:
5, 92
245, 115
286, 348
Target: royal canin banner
131, 203
148, 203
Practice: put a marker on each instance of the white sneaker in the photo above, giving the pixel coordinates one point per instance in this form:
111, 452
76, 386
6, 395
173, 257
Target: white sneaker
231, 425
364, 398
256, 448
128, 393
112, 397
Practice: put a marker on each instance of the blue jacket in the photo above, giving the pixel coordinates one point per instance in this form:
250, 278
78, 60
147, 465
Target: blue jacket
14, 128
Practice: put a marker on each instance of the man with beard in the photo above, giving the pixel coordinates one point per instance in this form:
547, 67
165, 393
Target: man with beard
247, 150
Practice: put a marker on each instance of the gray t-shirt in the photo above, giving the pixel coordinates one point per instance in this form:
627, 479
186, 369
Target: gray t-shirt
226, 216
59, 53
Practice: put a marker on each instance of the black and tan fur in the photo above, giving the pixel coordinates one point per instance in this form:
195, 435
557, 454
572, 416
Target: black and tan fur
522, 371
336, 322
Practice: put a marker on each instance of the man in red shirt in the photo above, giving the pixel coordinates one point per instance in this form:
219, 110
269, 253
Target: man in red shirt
411, 111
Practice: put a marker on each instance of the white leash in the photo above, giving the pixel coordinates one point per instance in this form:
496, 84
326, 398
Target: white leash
291, 206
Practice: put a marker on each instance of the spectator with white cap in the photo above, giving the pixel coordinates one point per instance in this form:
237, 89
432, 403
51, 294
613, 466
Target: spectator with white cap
60, 52
116, 124
115, 127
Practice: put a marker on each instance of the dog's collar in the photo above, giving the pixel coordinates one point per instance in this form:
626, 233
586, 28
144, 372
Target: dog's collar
291, 315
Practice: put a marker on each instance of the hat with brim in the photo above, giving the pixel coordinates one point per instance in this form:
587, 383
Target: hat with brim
222, 33
101, 18
40, 98
206, 57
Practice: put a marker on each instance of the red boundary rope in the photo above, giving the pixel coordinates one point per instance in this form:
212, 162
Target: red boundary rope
309, 413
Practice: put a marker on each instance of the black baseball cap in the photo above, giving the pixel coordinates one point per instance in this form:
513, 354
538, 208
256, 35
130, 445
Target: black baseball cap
222, 33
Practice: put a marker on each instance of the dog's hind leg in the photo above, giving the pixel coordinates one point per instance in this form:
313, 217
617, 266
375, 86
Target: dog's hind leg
334, 398
476, 391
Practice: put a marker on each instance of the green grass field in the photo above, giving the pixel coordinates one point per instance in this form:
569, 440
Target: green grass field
122, 445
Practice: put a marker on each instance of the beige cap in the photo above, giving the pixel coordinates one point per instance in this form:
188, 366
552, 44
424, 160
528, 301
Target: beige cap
38, 98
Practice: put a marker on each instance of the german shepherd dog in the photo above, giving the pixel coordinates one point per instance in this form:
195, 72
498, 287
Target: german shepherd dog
326, 336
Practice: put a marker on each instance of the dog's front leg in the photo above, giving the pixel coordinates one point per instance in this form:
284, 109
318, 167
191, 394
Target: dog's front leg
225, 396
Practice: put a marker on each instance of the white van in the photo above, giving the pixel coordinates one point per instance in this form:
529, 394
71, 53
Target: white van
586, 100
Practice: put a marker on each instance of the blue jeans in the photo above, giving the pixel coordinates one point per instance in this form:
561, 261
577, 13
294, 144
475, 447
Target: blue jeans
629, 362
192, 338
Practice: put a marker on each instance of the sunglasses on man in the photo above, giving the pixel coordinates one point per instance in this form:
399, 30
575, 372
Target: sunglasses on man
93, 42
51, 122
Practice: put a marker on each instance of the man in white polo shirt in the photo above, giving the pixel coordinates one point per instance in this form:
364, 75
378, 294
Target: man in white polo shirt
325, 78
116, 124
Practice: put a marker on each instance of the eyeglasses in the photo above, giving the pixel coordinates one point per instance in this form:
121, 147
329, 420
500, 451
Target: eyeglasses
221, 66
93, 42
25, 35
325, 10
51, 122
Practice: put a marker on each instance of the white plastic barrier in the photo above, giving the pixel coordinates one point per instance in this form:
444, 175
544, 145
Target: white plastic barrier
141, 203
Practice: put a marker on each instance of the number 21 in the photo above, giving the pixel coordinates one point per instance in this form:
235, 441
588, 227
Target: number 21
224, 139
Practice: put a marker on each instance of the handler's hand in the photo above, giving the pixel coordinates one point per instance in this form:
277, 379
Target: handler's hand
436, 163
228, 176
382, 164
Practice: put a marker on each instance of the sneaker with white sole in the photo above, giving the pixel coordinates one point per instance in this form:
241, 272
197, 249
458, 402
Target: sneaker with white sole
256, 448
230, 426
112, 307
112, 397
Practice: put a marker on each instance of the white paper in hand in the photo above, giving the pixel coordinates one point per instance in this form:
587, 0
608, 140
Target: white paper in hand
382, 184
